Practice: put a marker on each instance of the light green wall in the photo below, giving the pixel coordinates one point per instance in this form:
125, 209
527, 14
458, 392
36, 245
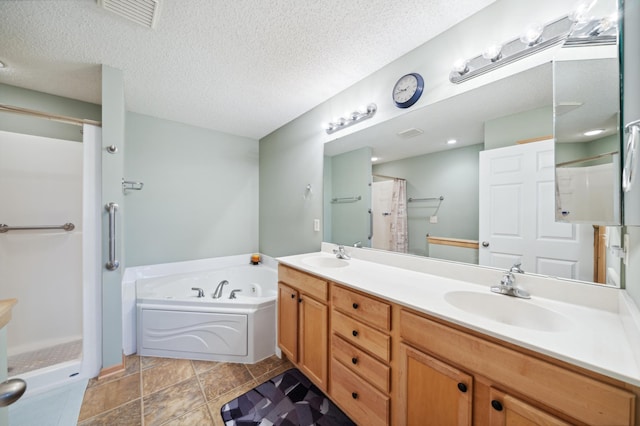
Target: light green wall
43, 102
290, 159
351, 177
506, 131
200, 195
113, 124
452, 174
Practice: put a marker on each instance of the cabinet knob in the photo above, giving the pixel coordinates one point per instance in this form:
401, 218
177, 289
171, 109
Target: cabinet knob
497, 405
293, 296
354, 395
300, 300
354, 360
355, 333
355, 306
462, 387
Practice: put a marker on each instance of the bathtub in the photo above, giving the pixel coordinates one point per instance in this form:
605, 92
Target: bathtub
173, 322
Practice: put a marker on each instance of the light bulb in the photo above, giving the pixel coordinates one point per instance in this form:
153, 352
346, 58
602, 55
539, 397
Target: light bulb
493, 52
461, 66
532, 34
579, 15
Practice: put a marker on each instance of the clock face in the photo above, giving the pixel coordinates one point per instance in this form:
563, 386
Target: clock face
408, 90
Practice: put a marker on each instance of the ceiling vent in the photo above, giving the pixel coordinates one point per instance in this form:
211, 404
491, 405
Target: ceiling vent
143, 12
410, 133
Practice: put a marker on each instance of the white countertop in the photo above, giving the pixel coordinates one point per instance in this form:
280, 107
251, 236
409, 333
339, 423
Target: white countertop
599, 331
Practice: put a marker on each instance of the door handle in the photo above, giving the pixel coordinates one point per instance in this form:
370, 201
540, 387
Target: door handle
11, 391
485, 244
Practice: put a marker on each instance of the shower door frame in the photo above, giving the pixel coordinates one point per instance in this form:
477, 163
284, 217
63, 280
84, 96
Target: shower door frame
47, 378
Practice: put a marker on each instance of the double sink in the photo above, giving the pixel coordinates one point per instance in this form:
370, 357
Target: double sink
494, 307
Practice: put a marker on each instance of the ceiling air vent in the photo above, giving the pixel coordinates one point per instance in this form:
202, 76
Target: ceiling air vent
143, 12
410, 133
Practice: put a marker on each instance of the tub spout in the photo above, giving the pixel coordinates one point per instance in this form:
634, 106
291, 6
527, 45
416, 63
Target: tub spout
217, 294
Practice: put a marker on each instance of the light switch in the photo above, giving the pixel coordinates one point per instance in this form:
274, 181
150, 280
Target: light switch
433, 219
316, 225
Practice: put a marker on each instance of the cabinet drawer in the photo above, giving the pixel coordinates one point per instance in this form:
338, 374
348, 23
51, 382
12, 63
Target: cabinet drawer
361, 307
549, 384
360, 362
359, 334
361, 401
306, 283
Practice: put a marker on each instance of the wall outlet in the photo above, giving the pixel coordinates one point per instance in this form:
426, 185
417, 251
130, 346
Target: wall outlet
316, 225
433, 219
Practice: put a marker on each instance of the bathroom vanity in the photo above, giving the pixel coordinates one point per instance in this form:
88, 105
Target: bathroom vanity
403, 341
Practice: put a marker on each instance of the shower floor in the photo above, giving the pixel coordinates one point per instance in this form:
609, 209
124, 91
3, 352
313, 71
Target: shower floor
42, 358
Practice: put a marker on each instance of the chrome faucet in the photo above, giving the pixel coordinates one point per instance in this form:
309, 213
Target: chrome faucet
507, 284
340, 253
199, 290
217, 294
233, 293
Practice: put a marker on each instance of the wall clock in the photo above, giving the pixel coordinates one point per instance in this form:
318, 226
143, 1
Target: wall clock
408, 90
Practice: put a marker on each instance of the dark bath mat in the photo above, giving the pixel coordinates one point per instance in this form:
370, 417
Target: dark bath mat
289, 399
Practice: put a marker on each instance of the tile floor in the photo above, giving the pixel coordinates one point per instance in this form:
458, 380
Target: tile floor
171, 392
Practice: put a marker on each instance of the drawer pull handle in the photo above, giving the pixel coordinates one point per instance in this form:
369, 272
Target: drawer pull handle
355, 306
354, 395
354, 360
355, 333
496, 405
462, 387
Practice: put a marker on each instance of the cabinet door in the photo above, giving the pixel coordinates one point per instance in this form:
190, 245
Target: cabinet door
432, 392
288, 321
313, 337
509, 411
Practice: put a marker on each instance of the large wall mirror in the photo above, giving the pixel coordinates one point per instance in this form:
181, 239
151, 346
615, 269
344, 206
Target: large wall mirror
490, 198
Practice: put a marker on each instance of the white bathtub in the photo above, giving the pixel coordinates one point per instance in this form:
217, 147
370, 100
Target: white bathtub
172, 321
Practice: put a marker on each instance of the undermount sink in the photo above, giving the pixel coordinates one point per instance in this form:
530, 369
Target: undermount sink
508, 310
324, 262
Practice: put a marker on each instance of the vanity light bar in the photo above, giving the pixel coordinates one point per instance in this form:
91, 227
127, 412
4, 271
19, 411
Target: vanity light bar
553, 33
353, 118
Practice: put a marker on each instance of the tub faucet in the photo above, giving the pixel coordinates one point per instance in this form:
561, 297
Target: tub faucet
199, 290
233, 293
217, 294
340, 253
507, 284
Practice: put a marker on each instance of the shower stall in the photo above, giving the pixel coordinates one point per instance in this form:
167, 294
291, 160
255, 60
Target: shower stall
50, 256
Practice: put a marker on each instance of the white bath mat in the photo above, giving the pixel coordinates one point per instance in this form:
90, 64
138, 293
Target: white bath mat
57, 407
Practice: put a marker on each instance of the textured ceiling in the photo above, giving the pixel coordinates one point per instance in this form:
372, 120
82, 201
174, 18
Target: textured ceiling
244, 67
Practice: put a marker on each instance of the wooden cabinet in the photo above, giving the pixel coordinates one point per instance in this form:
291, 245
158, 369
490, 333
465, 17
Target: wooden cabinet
312, 346
360, 355
550, 391
288, 321
303, 323
432, 392
383, 363
507, 410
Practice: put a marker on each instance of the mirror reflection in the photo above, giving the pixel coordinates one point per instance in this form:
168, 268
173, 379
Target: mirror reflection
487, 199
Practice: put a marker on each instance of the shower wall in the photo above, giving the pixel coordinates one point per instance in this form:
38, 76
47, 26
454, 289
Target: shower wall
41, 183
